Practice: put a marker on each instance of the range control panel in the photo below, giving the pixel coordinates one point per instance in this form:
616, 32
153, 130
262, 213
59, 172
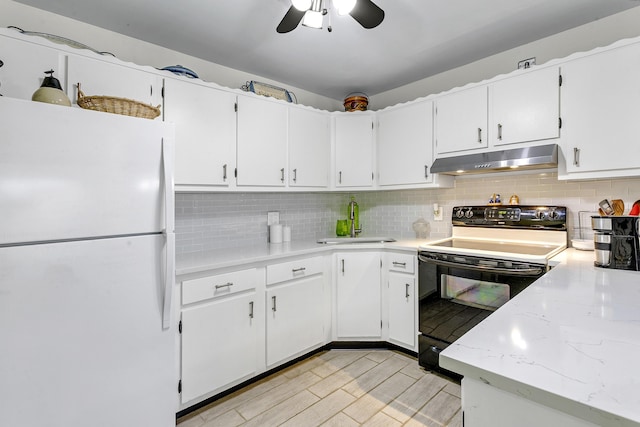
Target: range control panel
524, 216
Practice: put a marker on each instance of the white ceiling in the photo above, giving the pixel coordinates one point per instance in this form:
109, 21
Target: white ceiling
417, 39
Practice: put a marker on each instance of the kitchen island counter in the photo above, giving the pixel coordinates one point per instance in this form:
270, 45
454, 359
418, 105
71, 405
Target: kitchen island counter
569, 342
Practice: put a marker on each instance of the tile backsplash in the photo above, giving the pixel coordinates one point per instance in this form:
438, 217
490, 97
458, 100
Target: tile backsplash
206, 221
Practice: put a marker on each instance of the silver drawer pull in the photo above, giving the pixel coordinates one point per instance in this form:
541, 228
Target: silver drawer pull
226, 285
298, 270
397, 264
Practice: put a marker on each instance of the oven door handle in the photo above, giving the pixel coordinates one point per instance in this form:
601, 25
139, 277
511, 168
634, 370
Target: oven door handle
534, 271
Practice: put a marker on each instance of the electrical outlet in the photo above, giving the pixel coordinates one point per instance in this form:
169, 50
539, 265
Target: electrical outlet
526, 63
437, 215
273, 218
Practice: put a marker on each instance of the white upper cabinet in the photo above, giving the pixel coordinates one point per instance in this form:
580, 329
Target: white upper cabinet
205, 120
601, 113
309, 148
354, 150
525, 107
24, 67
405, 144
461, 121
105, 78
262, 142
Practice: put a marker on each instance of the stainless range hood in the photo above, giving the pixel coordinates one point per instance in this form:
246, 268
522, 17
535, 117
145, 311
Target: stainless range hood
540, 157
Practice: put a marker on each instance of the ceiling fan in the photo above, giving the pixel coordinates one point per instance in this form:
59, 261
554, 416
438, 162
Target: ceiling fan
311, 12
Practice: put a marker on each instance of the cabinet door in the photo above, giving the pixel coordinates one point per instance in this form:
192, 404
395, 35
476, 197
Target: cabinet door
205, 121
219, 344
600, 104
24, 66
402, 328
358, 297
354, 150
461, 121
309, 144
405, 144
526, 107
262, 142
295, 318
100, 77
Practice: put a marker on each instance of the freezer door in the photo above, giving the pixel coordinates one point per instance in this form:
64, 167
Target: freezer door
68, 173
82, 337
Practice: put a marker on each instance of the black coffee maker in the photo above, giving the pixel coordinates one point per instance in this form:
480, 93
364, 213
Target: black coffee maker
616, 241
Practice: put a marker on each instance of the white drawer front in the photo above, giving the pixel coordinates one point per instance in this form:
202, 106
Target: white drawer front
400, 262
294, 269
217, 286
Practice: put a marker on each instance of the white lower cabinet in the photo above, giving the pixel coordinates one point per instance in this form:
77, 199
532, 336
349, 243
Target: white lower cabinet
296, 308
485, 405
358, 296
222, 319
400, 299
295, 318
401, 302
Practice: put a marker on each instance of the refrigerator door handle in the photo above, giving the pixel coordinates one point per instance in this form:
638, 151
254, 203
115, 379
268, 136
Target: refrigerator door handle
169, 276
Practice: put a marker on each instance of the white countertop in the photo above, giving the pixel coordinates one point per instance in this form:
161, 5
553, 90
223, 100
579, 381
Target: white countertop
570, 341
198, 262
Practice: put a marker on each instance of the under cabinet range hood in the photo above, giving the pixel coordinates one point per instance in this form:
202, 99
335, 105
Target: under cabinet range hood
539, 157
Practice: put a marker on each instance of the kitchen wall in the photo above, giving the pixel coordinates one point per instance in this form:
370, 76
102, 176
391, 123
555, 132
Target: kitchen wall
139, 52
226, 220
586, 37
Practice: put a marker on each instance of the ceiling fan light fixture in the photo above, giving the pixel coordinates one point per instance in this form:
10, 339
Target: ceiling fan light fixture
344, 6
312, 19
302, 5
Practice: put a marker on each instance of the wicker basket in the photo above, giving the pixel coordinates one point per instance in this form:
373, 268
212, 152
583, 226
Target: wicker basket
124, 106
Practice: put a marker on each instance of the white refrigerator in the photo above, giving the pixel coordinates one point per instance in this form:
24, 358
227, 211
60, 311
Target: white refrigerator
86, 268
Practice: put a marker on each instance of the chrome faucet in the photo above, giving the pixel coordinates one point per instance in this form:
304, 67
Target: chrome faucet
352, 216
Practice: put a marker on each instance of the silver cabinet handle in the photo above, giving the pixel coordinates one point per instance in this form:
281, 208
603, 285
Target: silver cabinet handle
226, 285
406, 292
426, 171
282, 175
273, 303
295, 175
576, 156
340, 177
250, 309
343, 266
399, 264
297, 270
479, 135
224, 172
499, 132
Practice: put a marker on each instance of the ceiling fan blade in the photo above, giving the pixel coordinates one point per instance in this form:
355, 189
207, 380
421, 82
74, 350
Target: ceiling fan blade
367, 14
291, 20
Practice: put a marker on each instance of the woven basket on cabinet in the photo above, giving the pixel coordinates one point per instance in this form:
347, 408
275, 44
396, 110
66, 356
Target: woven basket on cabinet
124, 106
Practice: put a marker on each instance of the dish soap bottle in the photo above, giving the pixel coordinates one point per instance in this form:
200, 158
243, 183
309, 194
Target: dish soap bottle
354, 217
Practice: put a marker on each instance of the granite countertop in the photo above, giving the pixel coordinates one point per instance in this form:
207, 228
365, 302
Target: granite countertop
225, 258
570, 341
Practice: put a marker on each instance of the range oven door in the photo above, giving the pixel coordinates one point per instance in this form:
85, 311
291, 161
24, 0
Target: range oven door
456, 292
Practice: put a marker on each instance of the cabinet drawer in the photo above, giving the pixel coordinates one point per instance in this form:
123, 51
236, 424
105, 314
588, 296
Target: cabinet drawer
294, 269
216, 286
400, 262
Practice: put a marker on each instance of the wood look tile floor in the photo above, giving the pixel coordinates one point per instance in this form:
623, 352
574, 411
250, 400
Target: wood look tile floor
369, 388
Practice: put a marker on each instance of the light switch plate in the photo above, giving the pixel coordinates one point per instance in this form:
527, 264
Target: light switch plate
273, 218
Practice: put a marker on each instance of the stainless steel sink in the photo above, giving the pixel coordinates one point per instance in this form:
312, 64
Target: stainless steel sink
346, 240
